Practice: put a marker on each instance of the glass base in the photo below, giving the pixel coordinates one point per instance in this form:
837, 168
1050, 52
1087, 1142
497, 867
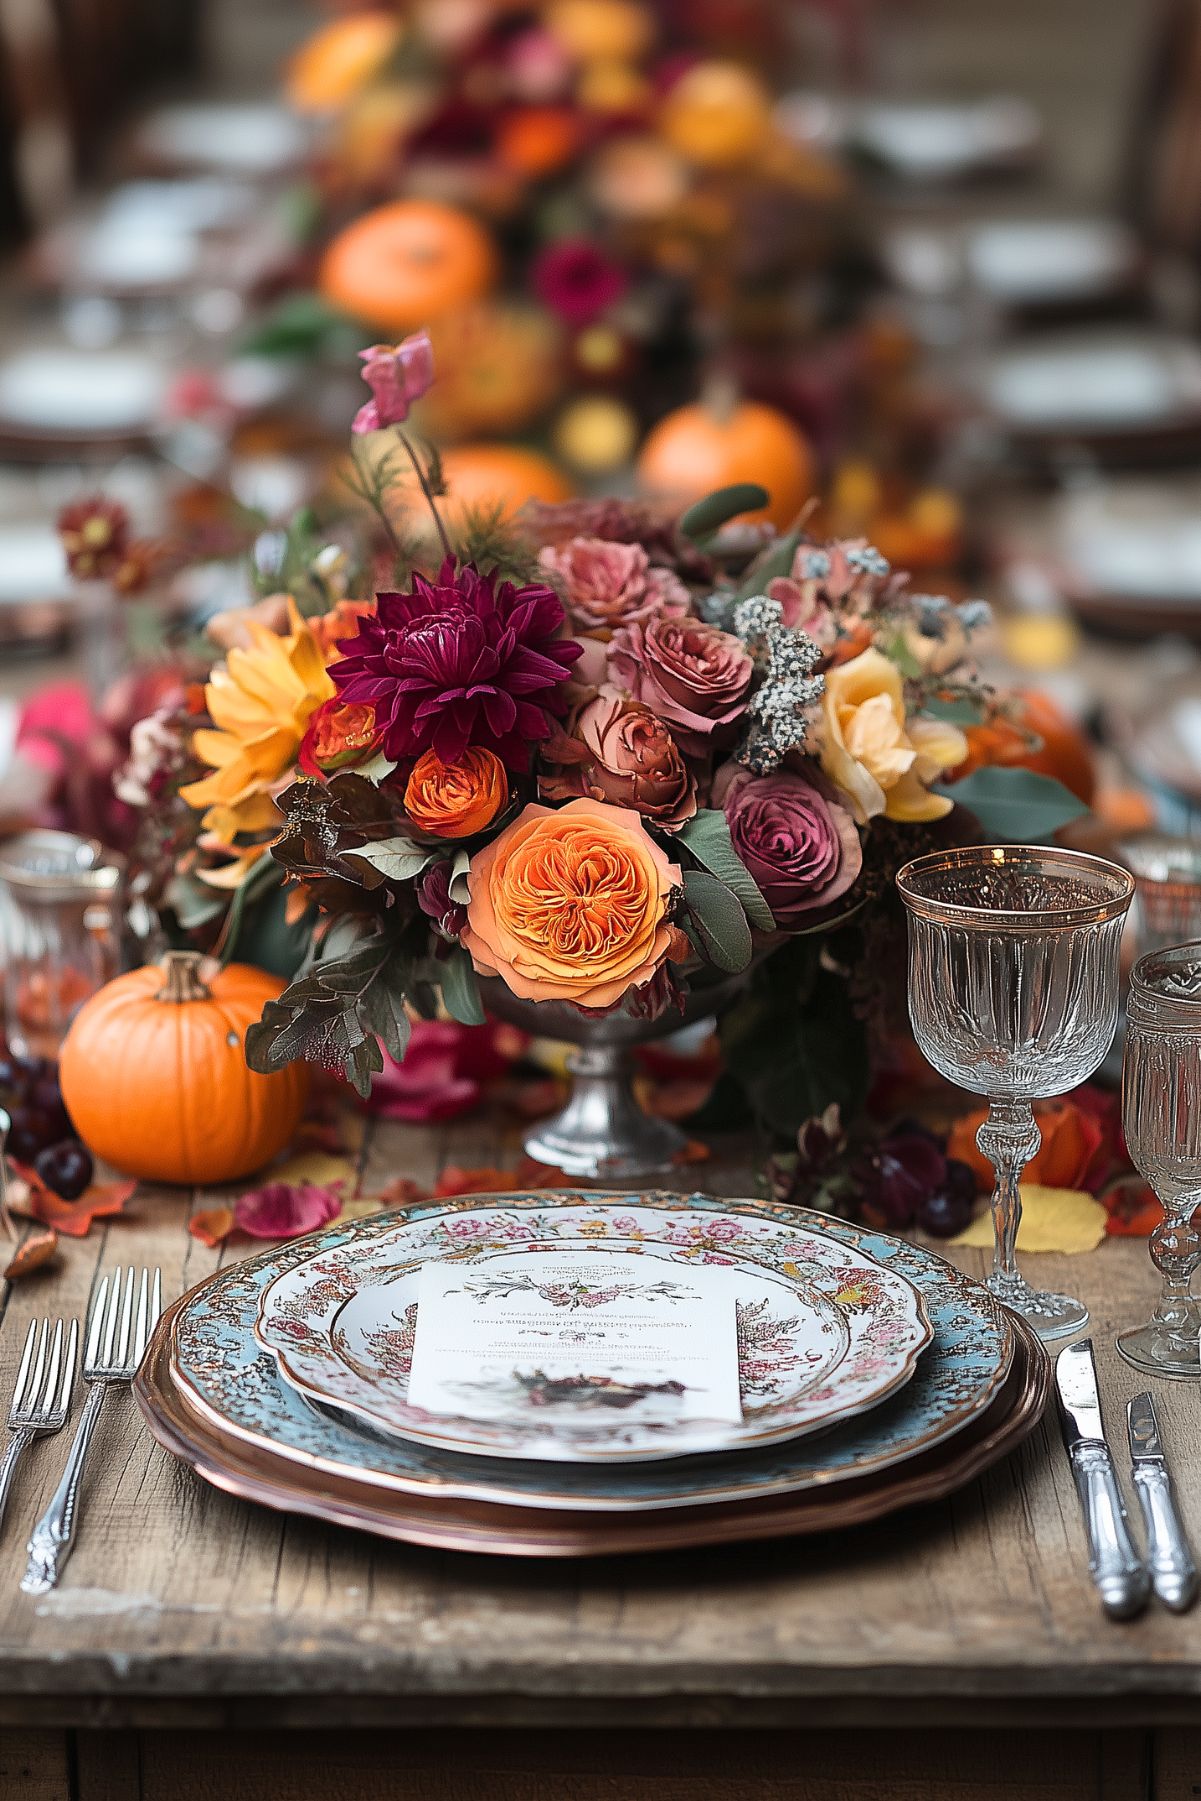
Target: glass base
1050, 1315
1165, 1347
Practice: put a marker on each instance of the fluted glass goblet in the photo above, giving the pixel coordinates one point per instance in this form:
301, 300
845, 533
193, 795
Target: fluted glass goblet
1013, 995
1161, 1109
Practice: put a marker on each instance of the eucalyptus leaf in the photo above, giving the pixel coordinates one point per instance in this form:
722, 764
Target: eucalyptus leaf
1016, 806
717, 915
956, 709
376, 767
192, 903
457, 888
397, 859
264, 876
717, 509
461, 991
774, 559
707, 836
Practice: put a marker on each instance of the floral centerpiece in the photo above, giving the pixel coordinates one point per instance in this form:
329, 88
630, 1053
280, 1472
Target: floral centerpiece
608, 759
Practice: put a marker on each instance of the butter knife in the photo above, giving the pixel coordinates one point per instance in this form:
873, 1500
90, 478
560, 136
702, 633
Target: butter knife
1113, 1563
1173, 1572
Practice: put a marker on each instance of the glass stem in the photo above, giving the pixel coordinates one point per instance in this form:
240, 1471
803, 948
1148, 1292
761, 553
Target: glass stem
1175, 1251
1009, 1138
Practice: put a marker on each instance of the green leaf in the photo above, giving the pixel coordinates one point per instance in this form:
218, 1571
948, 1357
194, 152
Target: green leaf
794, 1042
898, 652
397, 859
956, 709
717, 509
299, 325
1015, 806
382, 1009
265, 875
707, 836
720, 922
773, 560
461, 991
457, 887
375, 768
192, 903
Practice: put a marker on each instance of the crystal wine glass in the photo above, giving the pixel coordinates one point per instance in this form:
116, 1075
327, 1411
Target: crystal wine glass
1013, 994
1161, 1096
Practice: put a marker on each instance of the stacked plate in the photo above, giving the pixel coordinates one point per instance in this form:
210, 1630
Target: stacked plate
872, 1375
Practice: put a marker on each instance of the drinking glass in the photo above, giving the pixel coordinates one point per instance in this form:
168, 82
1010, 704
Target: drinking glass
1161, 1107
59, 931
1013, 994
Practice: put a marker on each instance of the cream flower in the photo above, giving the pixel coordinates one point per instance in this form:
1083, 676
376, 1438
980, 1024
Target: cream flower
883, 762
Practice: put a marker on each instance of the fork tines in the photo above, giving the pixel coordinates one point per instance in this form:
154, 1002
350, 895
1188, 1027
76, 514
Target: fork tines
41, 1394
116, 1334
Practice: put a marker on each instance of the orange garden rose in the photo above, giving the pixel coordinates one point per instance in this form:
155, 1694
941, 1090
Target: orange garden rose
571, 904
456, 800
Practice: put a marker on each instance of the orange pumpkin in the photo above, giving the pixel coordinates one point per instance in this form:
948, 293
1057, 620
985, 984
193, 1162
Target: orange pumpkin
698, 448
480, 476
155, 1078
406, 264
331, 66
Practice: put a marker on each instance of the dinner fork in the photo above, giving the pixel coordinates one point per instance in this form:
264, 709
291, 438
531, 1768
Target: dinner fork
41, 1395
115, 1344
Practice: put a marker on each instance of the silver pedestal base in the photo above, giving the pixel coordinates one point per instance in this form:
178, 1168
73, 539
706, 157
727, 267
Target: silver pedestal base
602, 1131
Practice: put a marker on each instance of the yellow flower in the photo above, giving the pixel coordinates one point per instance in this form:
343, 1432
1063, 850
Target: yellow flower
882, 761
259, 700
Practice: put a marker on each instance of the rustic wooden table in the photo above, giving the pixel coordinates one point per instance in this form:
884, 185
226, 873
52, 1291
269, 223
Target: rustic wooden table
200, 1647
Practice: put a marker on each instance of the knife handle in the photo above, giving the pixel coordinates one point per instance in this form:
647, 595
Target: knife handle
1173, 1572
1113, 1563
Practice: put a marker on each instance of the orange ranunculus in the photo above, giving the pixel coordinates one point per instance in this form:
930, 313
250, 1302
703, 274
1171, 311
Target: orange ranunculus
342, 621
1074, 1152
339, 734
571, 905
456, 800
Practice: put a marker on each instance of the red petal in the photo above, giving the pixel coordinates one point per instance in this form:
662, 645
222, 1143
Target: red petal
287, 1209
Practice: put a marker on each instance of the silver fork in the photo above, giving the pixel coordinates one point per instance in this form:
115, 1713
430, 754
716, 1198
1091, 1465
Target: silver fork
116, 1342
41, 1395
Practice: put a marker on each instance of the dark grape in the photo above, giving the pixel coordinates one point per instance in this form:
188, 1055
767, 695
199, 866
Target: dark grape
945, 1212
66, 1168
11, 1077
31, 1132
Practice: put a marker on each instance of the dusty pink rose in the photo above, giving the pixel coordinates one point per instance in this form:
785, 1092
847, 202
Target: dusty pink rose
398, 375
692, 675
621, 752
799, 844
606, 584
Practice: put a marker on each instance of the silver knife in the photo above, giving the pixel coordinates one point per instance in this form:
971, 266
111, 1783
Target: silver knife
1173, 1572
1113, 1563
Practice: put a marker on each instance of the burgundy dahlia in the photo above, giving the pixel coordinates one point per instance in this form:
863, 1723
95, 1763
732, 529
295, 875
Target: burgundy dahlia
462, 660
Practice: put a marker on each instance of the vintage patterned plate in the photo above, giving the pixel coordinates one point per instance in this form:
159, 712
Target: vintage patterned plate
824, 1331
234, 1394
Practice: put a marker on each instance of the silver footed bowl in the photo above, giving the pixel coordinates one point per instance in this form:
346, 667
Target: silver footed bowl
602, 1132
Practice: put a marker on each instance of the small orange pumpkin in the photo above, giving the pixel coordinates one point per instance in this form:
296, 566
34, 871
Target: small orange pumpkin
1034, 733
479, 476
407, 263
154, 1074
697, 448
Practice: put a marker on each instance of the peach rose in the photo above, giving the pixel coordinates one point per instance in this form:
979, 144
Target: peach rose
571, 905
880, 760
456, 800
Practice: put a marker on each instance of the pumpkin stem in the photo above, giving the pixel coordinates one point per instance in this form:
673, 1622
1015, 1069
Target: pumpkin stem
181, 978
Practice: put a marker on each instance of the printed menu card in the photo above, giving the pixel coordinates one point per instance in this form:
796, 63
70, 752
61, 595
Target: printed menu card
579, 1333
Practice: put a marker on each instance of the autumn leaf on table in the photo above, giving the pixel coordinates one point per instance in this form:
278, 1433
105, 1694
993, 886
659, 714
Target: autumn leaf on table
212, 1225
33, 1253
31, 1198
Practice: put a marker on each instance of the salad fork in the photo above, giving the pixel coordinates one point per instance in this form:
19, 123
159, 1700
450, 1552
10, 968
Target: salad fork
41, 1395
115, 1344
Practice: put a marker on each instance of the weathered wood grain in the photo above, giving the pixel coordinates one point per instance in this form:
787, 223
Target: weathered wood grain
182, 1606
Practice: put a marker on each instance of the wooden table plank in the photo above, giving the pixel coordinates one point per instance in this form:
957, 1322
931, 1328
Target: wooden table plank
183, 1605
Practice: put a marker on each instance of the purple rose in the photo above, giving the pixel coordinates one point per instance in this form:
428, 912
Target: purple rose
800, 845
692, 675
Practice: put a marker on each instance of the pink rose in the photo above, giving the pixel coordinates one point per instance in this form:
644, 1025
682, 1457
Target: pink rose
692, 675
606, 584
621, 752
398, 375
799, 844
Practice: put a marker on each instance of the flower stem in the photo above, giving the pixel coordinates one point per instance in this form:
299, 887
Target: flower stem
427, 491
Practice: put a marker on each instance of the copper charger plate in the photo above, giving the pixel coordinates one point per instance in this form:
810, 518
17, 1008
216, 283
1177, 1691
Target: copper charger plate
255, 1474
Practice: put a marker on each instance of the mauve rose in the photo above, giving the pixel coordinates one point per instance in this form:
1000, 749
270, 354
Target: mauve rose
692, 675
627, 756
800, 845
605, 584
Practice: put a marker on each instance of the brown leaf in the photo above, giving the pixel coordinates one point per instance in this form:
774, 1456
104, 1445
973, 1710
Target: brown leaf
101, 1201
212, 1226
36, 1250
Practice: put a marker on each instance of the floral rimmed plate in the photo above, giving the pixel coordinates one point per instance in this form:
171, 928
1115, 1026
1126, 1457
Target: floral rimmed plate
824, 1331
233, 1392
